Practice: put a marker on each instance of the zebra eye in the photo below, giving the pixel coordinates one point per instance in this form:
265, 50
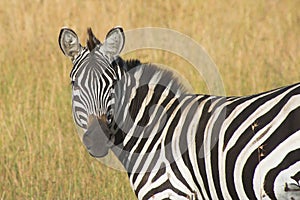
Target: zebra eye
75, 85
109, 118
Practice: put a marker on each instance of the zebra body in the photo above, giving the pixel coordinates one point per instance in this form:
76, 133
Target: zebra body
177, 145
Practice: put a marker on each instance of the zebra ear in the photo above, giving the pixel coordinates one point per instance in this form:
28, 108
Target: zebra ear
114, 43
69, 42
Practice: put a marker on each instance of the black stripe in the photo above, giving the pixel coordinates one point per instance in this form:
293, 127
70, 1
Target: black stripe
149, 170
168, 144
161, 124
160, 172
123, 90
163, 121
134, 108
158, 90
214, 147
286, 129
78, 62
137, 101
249, 110
166, 185
199, 142
144, 121
183, 143
289, 160
253, 159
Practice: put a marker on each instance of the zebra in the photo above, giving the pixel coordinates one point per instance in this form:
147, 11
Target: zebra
177, 145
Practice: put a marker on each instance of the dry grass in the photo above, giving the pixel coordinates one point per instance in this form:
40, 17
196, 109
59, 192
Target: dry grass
255, 44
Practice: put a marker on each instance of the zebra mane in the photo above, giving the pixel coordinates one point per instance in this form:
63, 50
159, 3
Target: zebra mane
150, 70
92, 41
132, 63
127, 65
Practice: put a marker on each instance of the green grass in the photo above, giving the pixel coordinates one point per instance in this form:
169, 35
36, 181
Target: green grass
255, 45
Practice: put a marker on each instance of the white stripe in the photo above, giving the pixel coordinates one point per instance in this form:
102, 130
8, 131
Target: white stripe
207, 149
193, 152
255, 143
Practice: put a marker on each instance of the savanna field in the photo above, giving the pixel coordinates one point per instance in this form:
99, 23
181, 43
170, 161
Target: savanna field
254, 44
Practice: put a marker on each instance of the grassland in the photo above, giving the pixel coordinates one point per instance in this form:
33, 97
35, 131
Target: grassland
255, 45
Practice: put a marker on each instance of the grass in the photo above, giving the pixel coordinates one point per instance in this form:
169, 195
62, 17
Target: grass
255, 45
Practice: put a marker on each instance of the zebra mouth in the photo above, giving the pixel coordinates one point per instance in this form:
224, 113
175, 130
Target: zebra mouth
97, 154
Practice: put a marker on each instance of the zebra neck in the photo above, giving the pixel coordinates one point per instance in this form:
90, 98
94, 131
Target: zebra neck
140, 95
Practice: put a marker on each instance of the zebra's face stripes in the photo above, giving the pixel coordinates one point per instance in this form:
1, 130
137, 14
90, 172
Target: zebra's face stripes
92, 78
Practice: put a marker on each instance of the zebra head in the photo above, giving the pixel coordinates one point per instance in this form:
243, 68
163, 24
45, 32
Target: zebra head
92, 77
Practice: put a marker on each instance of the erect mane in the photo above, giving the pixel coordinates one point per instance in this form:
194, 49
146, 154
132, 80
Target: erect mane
132, 63
149, 71
166, 77
92, 41
127, 65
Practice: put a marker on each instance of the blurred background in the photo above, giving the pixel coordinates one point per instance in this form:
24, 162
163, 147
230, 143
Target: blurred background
255, 45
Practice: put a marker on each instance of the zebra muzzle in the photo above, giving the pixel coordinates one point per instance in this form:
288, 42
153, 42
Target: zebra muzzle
98, 137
